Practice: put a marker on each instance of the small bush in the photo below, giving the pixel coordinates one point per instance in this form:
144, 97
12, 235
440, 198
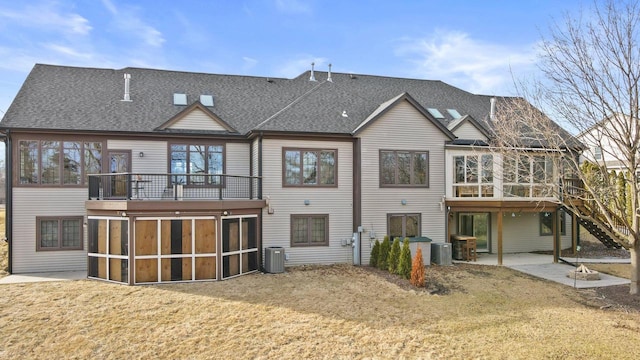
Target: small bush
404, 265
394, 256
373, 260
417, 269
383, 256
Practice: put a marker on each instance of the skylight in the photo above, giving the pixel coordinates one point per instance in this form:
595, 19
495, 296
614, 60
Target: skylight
206, 100
454, 113
179, 99
436, 113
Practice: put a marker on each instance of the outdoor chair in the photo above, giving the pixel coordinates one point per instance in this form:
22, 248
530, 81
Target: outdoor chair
469, 249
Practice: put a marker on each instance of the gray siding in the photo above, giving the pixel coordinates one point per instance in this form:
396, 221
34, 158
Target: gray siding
286, 201
197, 120
402, 128
31, 202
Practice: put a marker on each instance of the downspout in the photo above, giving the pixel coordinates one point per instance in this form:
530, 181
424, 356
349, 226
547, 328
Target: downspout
8, 163
260, 165
260, 263
357, 193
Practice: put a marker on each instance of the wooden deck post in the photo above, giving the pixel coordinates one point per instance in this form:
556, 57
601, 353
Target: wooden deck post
574, 232
555, 237
500, 237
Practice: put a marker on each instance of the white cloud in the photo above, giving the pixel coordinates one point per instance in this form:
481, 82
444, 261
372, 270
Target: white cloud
109, 5
296, 67
48, 16
293, 6
249, 63
456, 58
127, 21
68, 51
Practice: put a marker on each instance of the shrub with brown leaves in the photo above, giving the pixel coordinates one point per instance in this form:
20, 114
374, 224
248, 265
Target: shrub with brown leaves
417, 269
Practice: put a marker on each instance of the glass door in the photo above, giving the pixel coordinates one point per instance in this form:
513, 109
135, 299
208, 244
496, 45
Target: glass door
475, 224
119, 163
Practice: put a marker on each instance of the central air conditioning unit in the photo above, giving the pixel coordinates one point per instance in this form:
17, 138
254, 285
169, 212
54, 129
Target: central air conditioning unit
441, 253
274, 260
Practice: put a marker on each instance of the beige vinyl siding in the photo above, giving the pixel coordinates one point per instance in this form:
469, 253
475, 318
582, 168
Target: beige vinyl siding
402, 128
197, 120
154, 160
469, 132
237, 158
335, 201
521, 233
31, 202
255, 151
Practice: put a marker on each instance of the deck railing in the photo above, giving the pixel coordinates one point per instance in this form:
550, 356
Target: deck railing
133, 186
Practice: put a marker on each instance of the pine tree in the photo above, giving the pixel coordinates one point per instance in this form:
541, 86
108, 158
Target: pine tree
373, 260
383, 256
394, 256
417, 269
404, 266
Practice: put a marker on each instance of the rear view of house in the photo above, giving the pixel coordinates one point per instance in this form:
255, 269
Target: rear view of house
146, 176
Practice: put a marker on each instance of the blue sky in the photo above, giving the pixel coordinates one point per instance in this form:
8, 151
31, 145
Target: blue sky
475, 45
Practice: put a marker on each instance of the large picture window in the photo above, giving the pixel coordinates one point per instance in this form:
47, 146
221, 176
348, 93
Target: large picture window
404, 168
309, 167
59, 233
403, 225
52, 163
310, 230
204, 160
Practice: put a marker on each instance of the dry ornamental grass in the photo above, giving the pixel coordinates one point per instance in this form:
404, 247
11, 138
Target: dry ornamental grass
318, 312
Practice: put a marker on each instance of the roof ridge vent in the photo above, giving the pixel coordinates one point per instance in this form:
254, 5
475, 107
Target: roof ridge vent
312, 77
127, 80
329, 76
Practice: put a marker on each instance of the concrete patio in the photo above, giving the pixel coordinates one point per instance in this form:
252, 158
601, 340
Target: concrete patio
542, 266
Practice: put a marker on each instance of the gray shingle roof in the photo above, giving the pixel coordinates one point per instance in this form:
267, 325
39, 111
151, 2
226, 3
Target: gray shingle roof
89, 99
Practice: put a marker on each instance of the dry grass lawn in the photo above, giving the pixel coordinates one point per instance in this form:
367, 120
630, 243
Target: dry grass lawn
317, 312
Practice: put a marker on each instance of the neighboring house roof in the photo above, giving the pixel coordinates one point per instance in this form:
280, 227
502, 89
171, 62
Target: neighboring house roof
88, 99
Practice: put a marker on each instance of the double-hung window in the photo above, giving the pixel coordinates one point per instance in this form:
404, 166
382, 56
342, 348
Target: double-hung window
196, 164
310, 167
404, 168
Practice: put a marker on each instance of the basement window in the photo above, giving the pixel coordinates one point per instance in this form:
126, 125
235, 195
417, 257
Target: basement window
546, 223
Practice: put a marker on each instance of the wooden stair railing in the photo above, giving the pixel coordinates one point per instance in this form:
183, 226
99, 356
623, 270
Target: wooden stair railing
590, 218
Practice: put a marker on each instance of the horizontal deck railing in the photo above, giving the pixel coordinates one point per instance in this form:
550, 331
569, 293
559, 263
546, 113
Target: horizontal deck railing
134, 186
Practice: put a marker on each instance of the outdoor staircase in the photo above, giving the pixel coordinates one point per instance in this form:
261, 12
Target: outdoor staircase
598, 233
589, 218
